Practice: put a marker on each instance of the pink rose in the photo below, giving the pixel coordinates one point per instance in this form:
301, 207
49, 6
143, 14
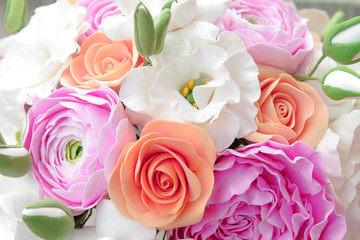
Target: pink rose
69, 134
272, 31
97, 11
268, 191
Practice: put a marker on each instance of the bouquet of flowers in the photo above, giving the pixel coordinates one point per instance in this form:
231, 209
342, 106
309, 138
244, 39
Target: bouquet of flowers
180, 119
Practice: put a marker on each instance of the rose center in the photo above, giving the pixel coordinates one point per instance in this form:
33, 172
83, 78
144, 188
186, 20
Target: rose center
109, 64
164, 181
74, 151
187, 92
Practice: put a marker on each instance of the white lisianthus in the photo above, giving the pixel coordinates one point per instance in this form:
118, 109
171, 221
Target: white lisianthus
225, 105
341, 150
32, 60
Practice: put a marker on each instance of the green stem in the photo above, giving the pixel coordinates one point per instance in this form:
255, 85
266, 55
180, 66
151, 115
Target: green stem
317, 65
307, 78
2, 140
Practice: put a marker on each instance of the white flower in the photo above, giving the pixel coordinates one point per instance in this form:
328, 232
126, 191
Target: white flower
110, 224
340, 148
225, 104
32, 60
15, 193
183, 11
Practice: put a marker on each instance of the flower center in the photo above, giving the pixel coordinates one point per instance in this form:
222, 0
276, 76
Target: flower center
188, 91
252, 21
74, 151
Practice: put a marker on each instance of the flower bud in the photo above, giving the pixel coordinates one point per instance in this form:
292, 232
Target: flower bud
14, 161
341, 82
342, 42
144, 31
15, 15
337, 18
49, 219
168, 4
161, 26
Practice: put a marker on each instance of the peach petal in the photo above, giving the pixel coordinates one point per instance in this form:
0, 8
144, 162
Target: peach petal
267, 86
89, 58
193, 212
277, 129
67, 79
119, 71
97, 37
196, 136
108, 64
114, 184
155, 170
301, 99
177, 202
268, 109
317, 124
78, 69
186, 158
150, 187
116, 50
269, 72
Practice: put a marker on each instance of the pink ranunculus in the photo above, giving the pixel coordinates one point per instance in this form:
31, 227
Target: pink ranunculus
268, 191
272, 31
69, 134
97, 11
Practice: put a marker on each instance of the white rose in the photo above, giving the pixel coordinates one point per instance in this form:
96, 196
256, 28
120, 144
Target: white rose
225, 105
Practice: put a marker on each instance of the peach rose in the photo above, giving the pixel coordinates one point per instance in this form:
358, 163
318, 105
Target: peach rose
289, 110
165, 178
101, 61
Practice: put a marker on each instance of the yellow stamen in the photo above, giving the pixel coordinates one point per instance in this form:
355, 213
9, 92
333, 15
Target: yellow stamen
185, 92
206, 82
191, 84
194, 105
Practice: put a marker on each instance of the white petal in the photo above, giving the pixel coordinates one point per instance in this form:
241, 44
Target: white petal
349, 35
134, 89
86, 233
117, 27
182, 13
343, 80
111, 224
328, 149
211, 10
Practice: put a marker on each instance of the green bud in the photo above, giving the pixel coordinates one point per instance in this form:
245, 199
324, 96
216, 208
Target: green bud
15, 15
342, 42
341, 82
49, 219
168, 4
161, 26
15, 161
144, 31
338, 17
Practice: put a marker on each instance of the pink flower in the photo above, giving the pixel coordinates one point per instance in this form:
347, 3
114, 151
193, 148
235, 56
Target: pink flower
69, 135
268, 191
97, 11
272, 31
